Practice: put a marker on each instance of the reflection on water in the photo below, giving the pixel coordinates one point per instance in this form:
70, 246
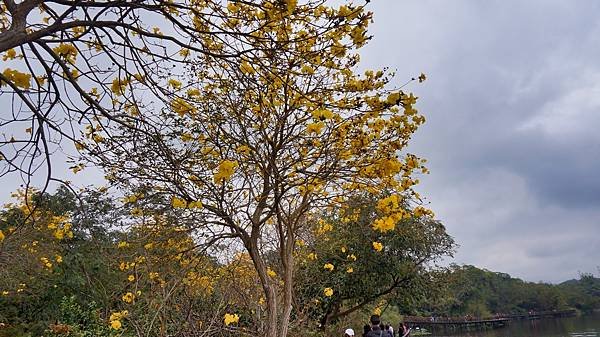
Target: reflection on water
583, 326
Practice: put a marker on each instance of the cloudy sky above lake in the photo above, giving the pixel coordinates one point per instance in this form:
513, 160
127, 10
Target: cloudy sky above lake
513, 107
512, 139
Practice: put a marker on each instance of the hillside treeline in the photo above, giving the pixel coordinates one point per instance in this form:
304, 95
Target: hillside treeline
468, 290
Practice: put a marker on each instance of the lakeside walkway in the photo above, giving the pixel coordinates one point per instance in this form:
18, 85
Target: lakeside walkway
475, 323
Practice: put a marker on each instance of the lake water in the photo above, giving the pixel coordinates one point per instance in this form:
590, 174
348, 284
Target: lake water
580, 326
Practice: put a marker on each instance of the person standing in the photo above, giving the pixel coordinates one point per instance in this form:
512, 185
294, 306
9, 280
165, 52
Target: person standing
376, 330
366, 329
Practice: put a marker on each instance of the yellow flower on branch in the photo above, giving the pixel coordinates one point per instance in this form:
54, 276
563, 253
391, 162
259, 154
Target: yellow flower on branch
231, 318
21, 80
225, 171
315, 127
328, 292
182, 108
119, 86
9, 55
378, 246
128, 297
328, 266
66, 51
115, 325
178, 203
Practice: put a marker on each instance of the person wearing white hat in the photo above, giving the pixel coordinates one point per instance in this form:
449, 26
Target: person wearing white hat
349, 333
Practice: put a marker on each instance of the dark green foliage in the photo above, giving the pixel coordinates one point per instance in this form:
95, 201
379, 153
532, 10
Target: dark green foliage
479, 292
400, 273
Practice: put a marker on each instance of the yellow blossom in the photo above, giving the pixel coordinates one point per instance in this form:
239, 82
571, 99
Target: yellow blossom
328, 266
184, 52
271, 272
315, 128
128, 297
131, 278
9, 55
21, 80
174, 83
66, 51
328, 292
378, 246
385, 224
119, 86
193, 92
229, 319
350, 270
116, 324
181, 107
225, 171
178, 203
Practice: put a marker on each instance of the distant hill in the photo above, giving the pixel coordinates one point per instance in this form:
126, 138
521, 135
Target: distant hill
480, 292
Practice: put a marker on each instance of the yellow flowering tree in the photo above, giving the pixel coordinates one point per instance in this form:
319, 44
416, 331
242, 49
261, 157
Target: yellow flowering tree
30, 254
249, 147
68, 64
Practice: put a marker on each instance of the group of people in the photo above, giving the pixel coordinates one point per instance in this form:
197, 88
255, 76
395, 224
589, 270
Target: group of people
378, 329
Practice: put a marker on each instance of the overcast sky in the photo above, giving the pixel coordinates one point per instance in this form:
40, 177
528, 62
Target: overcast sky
513, 103
513, 110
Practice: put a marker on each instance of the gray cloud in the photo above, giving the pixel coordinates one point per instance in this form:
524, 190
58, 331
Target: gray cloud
513, 107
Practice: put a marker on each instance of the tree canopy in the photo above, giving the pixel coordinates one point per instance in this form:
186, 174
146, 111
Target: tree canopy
243, 135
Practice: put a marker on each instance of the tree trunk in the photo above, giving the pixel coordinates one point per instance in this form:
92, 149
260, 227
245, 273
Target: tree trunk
269, 288
288, 287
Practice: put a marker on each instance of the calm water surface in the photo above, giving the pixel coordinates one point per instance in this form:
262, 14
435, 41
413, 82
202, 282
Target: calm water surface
582, 326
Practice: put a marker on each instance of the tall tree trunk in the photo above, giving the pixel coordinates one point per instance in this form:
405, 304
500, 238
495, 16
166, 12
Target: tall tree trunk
288, 285
269, 288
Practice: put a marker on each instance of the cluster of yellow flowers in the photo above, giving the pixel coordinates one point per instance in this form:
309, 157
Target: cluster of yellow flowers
21, 80
61, 228
119, 86
271, 272
230, 319
67, 51
129, 297
115, 319
9, 55
225, 170
378, 246
181, 203
182, 107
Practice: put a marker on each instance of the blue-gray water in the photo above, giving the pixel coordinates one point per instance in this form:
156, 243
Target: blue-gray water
580, 326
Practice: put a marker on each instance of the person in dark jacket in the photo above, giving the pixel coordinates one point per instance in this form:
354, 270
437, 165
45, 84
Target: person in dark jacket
366, 329
376, 330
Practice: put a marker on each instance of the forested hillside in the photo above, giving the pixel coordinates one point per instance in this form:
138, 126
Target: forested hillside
468, 290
